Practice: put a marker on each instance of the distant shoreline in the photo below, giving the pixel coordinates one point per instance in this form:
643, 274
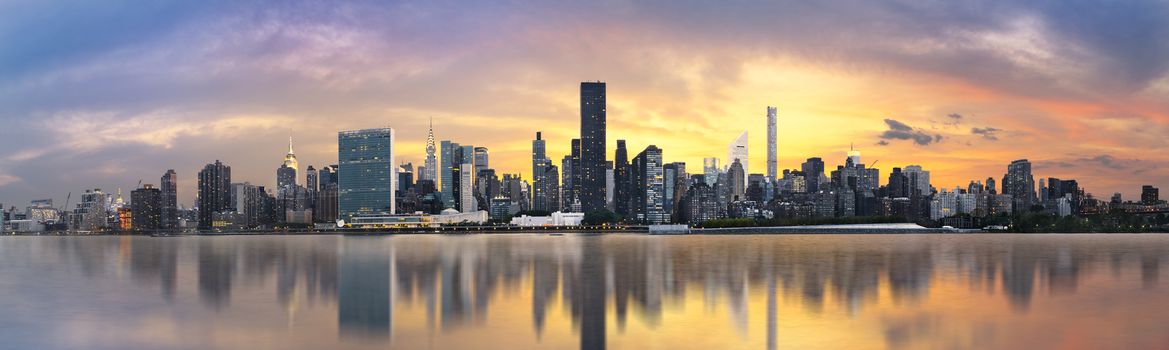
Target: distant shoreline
771, 230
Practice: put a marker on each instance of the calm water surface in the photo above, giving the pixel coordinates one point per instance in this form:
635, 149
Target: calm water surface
592, 292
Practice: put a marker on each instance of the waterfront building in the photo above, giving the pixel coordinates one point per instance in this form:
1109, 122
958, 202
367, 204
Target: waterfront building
649, 187
366, 173
699, 204
214, 192
591, 192
146, 208
621, 180
168, 185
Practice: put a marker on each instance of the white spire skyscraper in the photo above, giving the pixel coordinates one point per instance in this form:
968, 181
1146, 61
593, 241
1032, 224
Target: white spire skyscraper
772, 162
431, 166
738, 150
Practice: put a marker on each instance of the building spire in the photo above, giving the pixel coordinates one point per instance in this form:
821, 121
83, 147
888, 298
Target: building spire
290, 145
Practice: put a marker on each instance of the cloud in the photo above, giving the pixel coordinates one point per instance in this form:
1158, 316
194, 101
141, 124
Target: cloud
901, 131
6, 179
989, 133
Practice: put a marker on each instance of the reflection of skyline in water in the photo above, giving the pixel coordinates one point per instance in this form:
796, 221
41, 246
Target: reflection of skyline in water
602, 282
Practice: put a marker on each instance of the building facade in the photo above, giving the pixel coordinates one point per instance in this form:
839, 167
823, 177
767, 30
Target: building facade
366, 173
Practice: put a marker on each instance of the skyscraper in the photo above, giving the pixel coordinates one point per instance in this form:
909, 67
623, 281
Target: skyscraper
286, 174
430, 167
539, 163
146, 208
466, 192
592, 144
551, 184
674, 185
919, 181
170, 199
648, 186
737, 150
481, 160
447, 172
214, 192
366, 172
772, 156
621, 179
1020, 184
738, 180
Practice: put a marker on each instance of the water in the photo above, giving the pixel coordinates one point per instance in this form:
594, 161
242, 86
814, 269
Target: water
565, 292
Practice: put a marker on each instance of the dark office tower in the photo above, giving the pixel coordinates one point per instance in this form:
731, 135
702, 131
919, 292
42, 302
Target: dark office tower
576, 171
1020, 184
648, 187
214, 192
674, 184
146, 208
621, 179
170, 199
367, 173
566, 184
813, 169
592, 146
540, 161
1150, 195
551, 184
898, 186
990, 186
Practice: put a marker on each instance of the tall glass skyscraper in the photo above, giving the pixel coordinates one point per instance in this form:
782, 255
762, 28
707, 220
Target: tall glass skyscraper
366, 172
592, 146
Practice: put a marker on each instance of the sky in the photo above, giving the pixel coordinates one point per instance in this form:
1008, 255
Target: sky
104, 94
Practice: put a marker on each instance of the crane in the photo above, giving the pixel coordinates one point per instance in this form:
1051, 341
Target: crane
874, 163
66, 206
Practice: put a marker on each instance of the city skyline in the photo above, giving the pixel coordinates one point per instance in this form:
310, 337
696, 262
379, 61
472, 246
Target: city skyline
960, 92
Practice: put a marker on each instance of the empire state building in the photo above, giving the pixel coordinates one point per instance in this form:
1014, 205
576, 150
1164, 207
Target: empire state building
286, 174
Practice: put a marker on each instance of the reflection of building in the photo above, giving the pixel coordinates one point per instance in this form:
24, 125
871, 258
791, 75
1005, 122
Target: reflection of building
363, 291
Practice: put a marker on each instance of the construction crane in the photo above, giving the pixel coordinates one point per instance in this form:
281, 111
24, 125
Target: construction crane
139, 183
874, 163
66, 206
